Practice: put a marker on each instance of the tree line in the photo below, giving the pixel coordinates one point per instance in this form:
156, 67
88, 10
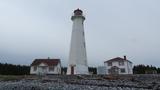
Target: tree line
145, 69
10, 69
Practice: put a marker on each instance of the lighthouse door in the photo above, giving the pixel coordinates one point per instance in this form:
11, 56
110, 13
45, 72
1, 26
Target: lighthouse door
72, 70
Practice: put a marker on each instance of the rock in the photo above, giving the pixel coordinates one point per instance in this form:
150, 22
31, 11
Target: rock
62, 82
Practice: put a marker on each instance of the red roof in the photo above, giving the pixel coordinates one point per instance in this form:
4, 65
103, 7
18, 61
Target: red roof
49, 62
117, 59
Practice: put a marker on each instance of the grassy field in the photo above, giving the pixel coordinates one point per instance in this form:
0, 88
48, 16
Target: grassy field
10, 77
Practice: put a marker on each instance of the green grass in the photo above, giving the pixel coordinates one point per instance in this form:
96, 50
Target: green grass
10, 77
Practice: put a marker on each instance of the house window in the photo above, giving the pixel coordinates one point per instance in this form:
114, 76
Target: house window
109, 63
121, 63
51, 68
34, 68
122, 70
109, 71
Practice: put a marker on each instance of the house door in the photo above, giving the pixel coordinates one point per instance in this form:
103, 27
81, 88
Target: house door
114, 70
42, 70
72, 70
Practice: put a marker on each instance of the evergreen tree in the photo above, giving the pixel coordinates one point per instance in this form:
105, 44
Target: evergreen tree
10, 69
93, 70
142, 69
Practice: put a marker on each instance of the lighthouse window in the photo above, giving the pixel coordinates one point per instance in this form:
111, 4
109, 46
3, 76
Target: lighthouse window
83, 33
84, 45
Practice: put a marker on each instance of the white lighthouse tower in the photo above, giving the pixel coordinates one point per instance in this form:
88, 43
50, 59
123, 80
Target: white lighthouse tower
77, 56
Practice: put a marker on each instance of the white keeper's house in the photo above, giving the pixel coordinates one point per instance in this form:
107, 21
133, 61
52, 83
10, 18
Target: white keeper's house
118, 65
45, 66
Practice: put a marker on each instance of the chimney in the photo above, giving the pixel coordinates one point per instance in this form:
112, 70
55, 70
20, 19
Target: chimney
125, 58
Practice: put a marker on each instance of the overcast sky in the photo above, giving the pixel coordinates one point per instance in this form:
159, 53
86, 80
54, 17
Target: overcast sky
31, 29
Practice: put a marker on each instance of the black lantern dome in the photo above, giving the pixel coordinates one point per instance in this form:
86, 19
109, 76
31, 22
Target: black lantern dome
78, 12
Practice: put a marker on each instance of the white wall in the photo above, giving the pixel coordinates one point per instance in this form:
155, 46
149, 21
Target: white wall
78, 56
127, 65
57, 69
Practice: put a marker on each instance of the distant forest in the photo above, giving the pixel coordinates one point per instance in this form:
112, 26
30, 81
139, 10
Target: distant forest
10, 69
145, 69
